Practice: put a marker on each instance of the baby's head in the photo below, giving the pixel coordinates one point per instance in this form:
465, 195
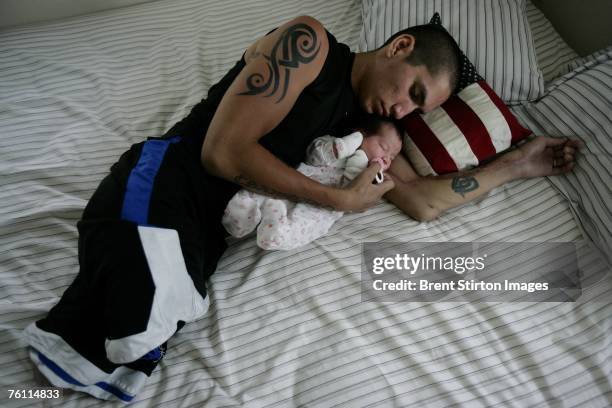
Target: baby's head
382, 139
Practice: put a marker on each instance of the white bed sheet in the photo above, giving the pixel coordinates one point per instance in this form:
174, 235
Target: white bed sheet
284, 328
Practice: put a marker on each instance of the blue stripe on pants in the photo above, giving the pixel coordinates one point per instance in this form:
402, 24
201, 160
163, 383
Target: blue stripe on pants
70, 379
140, 181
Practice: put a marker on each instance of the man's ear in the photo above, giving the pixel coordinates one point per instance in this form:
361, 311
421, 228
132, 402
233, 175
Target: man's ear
401, 45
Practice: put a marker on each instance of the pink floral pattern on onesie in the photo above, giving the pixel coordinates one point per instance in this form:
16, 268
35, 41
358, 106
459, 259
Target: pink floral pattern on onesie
282, 224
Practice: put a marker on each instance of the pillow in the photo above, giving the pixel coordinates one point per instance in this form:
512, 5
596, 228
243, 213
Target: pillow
467, 129
588, 61
553, 53
494, 34
467, 71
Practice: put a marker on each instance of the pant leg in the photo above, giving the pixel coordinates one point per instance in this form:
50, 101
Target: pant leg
136, 284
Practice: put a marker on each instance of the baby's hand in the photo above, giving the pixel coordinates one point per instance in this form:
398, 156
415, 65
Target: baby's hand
355, 164
347, 145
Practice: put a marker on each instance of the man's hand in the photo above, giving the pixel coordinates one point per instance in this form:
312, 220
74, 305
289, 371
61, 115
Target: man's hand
544, 156
361, 193
425, 198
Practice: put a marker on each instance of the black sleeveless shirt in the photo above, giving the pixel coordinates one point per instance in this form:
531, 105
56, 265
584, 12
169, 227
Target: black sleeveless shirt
320, 109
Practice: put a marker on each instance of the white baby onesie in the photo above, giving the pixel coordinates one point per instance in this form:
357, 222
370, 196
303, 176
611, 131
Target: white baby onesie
284, 224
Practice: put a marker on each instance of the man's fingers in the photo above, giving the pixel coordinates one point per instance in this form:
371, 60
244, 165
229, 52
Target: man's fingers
566, 156
370, 172
575, 143
367, 193
563, 156
566, 148
373, 168
386, 185
554, 141
567, 167
562, 151
562, 142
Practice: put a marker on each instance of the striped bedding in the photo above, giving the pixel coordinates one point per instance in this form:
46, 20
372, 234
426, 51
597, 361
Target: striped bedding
289, 328
494, 35
554, 55
580, 103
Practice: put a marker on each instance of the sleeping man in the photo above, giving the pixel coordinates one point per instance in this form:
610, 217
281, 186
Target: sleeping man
151, 234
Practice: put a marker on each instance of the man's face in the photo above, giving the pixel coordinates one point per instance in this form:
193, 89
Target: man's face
395, 88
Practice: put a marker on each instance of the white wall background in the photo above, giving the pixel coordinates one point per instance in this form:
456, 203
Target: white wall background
586, 25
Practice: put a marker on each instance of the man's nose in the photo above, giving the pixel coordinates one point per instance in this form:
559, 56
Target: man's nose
399, 110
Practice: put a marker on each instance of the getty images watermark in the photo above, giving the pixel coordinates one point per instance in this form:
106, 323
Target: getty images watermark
480, 271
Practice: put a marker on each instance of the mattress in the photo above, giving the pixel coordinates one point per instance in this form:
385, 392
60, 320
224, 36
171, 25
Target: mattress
289, 328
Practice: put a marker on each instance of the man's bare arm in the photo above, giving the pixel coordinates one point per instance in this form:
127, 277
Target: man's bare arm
426, 198
279, 66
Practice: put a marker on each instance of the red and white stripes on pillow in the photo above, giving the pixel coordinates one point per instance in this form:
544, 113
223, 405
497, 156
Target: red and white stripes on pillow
467, 129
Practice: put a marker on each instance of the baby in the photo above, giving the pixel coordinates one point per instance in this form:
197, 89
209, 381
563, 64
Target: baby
329, 160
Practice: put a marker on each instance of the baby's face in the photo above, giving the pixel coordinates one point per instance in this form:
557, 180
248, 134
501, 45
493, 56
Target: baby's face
384, 145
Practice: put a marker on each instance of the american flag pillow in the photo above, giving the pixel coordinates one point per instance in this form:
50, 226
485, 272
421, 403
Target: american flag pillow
467, 129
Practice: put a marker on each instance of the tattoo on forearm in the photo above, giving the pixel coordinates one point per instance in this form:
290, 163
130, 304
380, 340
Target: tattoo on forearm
464, 184
297, 45
253, 186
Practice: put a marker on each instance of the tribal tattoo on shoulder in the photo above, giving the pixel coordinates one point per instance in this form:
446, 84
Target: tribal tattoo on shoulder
297, 45
464, 184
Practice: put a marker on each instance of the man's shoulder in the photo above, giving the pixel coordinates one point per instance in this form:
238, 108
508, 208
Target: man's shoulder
304, 32
309, 23
299, 46
321, 31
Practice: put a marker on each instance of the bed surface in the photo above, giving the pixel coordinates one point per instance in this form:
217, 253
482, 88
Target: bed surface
289, 328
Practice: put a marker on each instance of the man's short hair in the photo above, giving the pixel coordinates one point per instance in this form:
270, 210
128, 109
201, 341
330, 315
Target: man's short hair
434, 48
